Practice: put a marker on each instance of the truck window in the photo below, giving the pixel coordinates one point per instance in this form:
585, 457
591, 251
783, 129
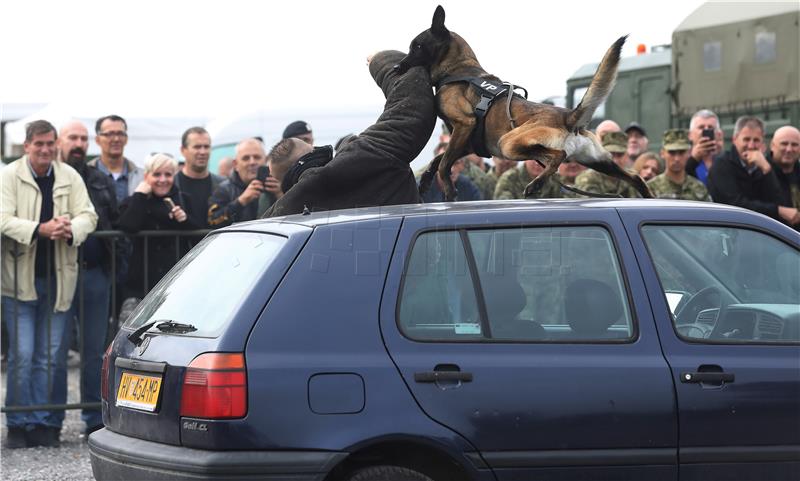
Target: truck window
765, 47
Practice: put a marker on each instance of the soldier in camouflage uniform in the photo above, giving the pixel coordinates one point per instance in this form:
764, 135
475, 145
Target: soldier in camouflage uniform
616, 143
500, 167
480, 178
674, 183
513, 182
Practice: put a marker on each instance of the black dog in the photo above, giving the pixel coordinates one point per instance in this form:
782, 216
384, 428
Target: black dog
523, 130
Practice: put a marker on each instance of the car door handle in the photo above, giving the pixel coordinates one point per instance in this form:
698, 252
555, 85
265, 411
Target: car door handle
709, 377
435, 376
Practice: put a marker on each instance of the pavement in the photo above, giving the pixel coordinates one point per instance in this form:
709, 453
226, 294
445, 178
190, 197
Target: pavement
70, 462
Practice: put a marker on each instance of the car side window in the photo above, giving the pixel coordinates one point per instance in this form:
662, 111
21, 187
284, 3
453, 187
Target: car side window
438, 299
540, 284
726, 284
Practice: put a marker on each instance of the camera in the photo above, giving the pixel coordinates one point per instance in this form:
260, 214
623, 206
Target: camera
709, 134
263, 173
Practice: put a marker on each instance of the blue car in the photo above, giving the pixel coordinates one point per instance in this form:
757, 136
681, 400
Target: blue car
507, 340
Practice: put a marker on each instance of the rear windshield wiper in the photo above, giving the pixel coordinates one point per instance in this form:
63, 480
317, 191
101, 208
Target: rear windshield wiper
172, 326
164, 326
136, 336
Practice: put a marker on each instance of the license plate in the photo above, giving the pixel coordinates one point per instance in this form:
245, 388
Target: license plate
138, 391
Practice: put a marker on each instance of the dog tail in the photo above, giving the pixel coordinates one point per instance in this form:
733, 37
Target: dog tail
601, 86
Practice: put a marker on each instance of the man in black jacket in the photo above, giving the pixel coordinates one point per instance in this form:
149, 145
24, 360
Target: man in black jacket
785, 150
242, 196
194, 178
95, 277
743, 176
373, 168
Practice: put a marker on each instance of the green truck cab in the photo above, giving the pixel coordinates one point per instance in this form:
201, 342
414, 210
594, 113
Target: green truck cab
733, 58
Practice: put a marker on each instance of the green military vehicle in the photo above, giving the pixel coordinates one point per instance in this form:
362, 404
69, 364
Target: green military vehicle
733, 58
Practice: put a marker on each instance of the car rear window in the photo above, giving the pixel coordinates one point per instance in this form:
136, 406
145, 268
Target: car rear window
206, 287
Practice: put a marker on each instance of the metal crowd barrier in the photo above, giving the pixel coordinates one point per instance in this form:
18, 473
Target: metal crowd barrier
113, 320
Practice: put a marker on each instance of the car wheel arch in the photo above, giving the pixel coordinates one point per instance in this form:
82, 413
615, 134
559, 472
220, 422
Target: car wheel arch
430, 459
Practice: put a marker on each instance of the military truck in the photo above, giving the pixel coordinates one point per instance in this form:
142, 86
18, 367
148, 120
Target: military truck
732, 58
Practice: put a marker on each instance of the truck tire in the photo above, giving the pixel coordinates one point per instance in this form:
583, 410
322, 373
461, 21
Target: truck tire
387, 473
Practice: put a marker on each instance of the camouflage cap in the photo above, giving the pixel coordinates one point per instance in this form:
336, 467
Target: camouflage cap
615, 142
676, 139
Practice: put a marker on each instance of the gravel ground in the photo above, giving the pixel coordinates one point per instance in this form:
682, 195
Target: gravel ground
69, 462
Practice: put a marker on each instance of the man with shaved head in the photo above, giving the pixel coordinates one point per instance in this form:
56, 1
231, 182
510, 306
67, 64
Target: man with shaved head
605, 127
283, 156
785, 153
225, 167
95, 279
704, 149
241, 196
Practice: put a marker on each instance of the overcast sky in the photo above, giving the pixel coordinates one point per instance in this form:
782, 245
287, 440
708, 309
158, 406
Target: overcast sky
189, 58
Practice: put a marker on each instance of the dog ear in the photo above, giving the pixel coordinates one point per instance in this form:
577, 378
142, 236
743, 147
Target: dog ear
437, 26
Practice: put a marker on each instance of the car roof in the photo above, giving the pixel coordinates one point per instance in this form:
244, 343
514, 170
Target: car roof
384, 212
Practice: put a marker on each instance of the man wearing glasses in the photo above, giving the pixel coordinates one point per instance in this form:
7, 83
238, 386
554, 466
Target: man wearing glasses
112, 136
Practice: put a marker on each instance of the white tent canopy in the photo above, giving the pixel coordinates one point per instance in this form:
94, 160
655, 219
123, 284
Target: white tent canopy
327, 126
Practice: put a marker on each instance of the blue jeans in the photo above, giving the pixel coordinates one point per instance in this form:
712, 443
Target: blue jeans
34, 360
96, 299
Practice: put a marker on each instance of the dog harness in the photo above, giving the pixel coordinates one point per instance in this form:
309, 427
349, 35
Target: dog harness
489, 91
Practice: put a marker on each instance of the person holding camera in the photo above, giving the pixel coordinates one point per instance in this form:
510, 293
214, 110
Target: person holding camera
248, 192
703, 132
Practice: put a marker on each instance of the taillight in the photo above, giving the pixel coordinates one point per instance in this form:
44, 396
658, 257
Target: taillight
104, 374
215, 387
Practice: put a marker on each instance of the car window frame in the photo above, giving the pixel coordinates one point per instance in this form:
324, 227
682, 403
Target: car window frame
472, 268
716, 224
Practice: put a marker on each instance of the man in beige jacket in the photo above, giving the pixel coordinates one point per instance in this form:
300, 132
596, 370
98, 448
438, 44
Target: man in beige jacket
45, 214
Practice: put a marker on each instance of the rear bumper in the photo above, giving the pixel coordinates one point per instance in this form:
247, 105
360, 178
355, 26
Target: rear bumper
118, 457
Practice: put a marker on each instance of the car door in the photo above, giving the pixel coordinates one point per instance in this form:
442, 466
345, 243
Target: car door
529, 333
732, 340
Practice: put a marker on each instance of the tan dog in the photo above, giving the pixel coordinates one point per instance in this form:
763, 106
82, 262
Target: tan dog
548, 134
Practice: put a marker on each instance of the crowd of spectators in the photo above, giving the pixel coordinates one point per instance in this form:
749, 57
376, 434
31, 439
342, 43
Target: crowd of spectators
692, 164
54, 198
